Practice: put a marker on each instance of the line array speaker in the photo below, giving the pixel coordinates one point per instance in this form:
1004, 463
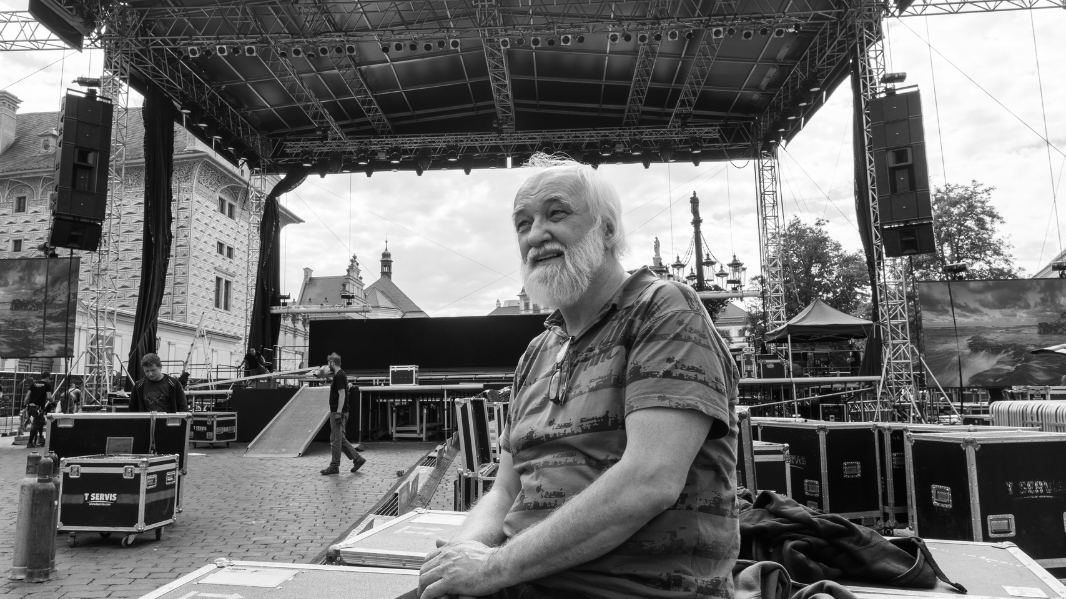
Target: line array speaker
79, 202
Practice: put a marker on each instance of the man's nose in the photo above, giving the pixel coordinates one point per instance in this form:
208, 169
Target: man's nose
538, 233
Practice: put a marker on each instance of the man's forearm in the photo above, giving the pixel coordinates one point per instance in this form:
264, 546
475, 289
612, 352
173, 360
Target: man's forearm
340, 401
484, 523
594, 522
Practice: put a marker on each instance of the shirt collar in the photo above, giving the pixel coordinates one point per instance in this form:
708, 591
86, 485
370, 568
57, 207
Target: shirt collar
626, 295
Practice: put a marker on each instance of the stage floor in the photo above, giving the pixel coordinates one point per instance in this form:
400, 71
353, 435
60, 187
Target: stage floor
252, 509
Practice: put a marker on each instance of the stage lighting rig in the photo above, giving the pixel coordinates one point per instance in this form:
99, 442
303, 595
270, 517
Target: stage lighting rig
424, 159
351, 49
690, 34
779, 32
384, 48
1059, 267
452, 155
658, 37
695, 146
362, 158
505, 43
893, 78
606, 147
251, 51
673, 35
955, 269
642, 38
731, 31
413, 46
747, 34
297, 52
581, 39
455, 44
551, 42
521, 41
398, 46
535, 41
222, 50
441, 44
285, 299
666, 151
717, 33
348, 298
192, 52
613, 37
395, 156
566, 39
627, 36
427, 47
636, 147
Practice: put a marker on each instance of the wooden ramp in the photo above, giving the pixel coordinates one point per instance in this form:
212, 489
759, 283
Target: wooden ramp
291, 431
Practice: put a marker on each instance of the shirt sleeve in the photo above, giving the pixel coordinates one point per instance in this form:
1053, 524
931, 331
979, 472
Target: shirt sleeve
678, 361
183, 405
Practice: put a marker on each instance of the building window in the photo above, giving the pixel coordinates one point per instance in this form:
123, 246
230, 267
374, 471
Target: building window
220, 248
229, 213
20, 203
16, 245
229, 252
222, 205
223, 291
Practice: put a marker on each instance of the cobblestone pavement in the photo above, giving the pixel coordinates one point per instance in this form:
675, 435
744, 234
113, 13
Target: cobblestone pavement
256, 509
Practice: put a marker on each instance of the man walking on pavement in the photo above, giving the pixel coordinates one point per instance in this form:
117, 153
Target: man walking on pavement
338, 419
40, 391
157, 392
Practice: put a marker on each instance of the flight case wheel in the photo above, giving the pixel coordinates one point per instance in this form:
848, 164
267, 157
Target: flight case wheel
72, 539
128, 540
105, 535
159, 534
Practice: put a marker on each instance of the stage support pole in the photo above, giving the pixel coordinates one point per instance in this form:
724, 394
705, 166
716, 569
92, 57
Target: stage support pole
770, 239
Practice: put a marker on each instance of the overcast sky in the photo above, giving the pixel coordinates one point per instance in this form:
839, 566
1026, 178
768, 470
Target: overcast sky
450, 235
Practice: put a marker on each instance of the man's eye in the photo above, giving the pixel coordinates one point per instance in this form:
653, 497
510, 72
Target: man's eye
557, 214
521, 226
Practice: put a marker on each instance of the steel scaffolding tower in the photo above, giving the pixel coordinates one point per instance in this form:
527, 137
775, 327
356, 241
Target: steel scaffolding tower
770, 239
103, 264
897, 365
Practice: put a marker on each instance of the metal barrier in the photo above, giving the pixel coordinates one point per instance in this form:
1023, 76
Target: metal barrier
1050, 416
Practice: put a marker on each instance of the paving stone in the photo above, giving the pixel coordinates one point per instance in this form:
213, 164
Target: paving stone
278, 509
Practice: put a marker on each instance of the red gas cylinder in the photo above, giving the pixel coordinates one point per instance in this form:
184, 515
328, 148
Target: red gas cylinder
35, 530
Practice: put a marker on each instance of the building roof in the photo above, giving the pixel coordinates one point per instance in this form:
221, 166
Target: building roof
506, 310
732, 314
25, 153
384, 293
323, 290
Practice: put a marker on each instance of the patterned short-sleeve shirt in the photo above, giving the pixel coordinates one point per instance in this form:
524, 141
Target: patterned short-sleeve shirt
653, 345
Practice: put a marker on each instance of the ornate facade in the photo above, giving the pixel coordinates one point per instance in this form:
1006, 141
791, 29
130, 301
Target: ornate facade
212, 268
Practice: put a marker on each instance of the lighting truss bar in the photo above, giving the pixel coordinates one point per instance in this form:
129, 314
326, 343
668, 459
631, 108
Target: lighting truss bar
20, 31
925, 9
295, 310
645, 67
697, 76
490, 17
731, 136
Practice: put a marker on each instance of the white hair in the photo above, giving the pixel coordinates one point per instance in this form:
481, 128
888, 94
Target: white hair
604, 203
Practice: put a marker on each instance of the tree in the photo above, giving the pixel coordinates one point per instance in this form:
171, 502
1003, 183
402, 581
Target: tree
965, 227
815, 267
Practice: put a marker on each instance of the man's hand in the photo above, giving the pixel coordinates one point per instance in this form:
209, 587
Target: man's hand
460, 570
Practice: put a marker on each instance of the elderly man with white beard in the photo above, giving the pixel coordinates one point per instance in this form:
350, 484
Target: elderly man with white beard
617, 476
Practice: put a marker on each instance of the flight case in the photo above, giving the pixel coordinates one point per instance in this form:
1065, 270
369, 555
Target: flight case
1005, 486
402, 542
137, 433
833, 465
129, 494
214, 427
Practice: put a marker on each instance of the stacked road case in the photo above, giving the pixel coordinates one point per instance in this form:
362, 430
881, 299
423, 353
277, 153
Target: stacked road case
999, 486
478, 470
214, 427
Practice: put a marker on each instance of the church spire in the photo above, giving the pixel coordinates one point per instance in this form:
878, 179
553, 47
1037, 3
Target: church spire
386, 261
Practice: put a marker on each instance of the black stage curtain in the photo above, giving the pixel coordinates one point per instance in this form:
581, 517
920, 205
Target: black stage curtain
265, 327
159, 115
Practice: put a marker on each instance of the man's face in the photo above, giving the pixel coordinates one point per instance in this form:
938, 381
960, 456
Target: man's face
561, 244
153, 372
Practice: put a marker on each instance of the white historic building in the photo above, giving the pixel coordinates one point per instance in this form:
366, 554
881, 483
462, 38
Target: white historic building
211, 271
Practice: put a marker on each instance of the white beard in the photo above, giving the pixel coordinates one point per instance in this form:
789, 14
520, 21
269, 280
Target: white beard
560, 283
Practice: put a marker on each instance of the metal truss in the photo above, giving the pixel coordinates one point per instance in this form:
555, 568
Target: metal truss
645, 67
971, 6
770, 239
490, 17
891, 289
102, 302
697, 76
20, 31
735, 136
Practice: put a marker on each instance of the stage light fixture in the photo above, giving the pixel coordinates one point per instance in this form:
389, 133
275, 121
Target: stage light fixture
690, 34
398, 46
535, 41
547, 148
297, 52
781, 126
199, 119
695, 146
413, 46
251, 51
338, 50
452, 154
307, 160
229, 143
427, 47
283, 52
893, 78
310, 53
1059, 267
627, 37
551, 42
383, 155
384, 48
424, 159
958, 268
642, 38
666, 151
334, 163
207, 53
192, 52
606, 147
222, 50
186, 107
505, 43
322, 168
731, 31
566, 39
323, 51
236, 51
646, 162
658, 37
369, 169
696, 159
636, 147
351, 49
362, 158
673, 35
441, 44
419, 170
521, 41
779, 32
613, 37
395, 156
813, 85
581, 39
455, 44
747, 34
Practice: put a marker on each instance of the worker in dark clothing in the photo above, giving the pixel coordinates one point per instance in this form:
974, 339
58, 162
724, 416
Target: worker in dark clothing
339, 403
41, 390
157, 392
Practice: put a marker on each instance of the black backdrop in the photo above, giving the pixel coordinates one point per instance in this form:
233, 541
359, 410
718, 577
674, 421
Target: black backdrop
464, 342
